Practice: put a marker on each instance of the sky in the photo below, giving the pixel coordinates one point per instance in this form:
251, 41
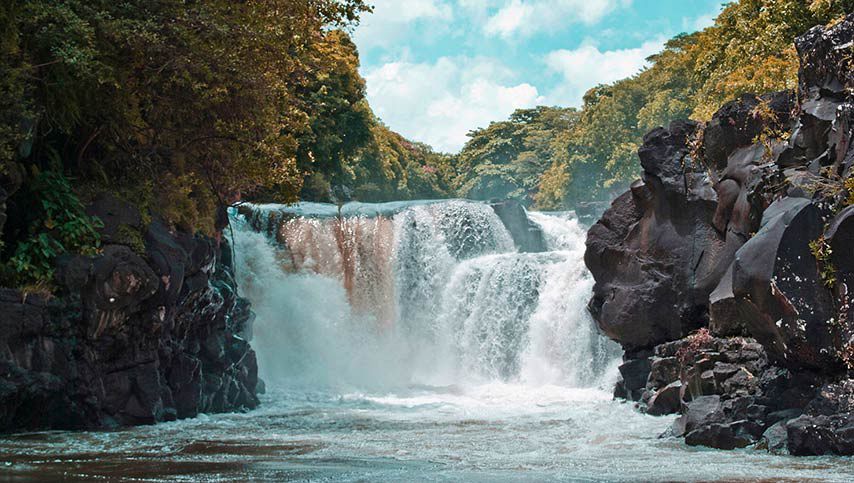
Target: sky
437, 69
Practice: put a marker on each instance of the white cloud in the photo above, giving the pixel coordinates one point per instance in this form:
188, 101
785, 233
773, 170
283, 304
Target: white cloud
587, 66
392, 19
527, 17
439, 103
703, 21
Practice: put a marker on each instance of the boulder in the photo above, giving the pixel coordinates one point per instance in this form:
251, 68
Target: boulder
721, 436
652, 243
663, 371
633, 376
840, 237
821, 435
778, 290
775, 439
702, 411
666, 400
526, 234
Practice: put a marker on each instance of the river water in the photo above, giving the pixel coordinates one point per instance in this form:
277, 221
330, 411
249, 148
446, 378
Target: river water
410, 342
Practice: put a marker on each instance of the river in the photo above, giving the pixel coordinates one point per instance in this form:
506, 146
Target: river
410, 342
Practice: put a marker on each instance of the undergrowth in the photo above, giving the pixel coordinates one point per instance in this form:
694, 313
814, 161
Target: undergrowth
59, 225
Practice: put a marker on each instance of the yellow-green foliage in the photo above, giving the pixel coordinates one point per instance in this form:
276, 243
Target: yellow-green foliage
187, 204
131, 237
849, 187
219, 95
822, 252
773, 130
551, 191
508, 159
749, 49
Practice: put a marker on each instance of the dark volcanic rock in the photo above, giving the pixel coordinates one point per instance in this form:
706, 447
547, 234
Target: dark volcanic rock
739, 122
724, 319
759, 249
674, 235
721, 436
526, 234
129, 341
825, 59
701, 411
776, 283
117, 217
666, 400
840, 238
821, 435
775, 439
633, 376
652, 243
756, 246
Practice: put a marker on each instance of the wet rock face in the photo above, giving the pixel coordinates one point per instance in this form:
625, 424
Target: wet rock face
132, 339
727, 278
526, 234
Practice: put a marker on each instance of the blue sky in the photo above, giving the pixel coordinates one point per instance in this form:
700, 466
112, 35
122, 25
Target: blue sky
436, 69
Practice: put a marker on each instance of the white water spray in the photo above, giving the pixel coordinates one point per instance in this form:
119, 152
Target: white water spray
433, 294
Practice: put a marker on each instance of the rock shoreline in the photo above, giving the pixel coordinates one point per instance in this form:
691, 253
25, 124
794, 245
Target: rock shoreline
725, 271
130, 338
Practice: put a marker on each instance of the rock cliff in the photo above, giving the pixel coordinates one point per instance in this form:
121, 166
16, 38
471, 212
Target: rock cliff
724, 271
130, 338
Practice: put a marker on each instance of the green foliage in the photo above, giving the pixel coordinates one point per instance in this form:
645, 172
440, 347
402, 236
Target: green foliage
749, 49
131, 237
822, 252
340, 120
390, 167
508, 159
222, 96
59, 224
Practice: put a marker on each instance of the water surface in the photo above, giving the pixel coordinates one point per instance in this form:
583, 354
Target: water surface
412, 342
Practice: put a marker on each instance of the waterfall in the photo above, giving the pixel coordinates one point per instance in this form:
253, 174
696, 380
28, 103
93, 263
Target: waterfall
421, 293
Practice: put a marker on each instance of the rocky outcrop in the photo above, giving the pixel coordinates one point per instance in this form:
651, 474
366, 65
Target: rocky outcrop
526, 234
725, 270
131, 338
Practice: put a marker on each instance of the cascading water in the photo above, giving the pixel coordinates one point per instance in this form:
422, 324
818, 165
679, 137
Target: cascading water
411, 342
428, 294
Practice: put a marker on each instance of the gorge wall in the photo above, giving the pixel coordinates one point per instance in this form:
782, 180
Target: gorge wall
130, 338
724, 272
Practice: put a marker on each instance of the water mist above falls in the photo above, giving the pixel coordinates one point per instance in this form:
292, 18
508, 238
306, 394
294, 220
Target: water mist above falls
432, 293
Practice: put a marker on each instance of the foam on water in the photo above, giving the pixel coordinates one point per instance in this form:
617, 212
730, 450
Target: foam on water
431, 293
453, 358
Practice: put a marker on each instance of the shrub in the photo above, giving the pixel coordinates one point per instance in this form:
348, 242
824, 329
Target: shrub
822, 252
698, 341
60, 225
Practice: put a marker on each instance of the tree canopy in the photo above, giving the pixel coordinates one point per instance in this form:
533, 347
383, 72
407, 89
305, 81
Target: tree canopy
184, 107
749, 49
